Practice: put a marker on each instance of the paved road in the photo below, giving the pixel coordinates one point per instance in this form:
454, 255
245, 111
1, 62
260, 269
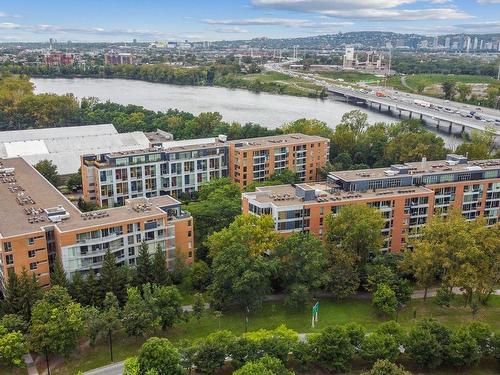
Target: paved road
114, 369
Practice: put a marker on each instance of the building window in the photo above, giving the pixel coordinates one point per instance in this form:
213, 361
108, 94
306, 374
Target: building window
31, 253
9, 259
7, 246
31, 241
131, 251
190, 254
33, 266
189, 234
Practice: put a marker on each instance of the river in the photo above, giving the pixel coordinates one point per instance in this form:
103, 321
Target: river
233, 104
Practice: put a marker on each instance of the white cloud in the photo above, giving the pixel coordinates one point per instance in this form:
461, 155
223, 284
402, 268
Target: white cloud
231, 30
488, 1
375, 10
9, 26
258, 22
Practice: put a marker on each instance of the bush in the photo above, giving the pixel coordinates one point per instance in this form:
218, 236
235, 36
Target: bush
483, 335
264, 366
275, 343
424, 348
385, 367
333, 349
356, 333
394, 329
463, 351
378, 345
444, 296
159, 355
384, 299
210, 353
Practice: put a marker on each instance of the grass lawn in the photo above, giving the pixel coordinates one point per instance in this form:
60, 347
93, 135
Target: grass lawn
427, 80
350, 76
273, 314
291, 85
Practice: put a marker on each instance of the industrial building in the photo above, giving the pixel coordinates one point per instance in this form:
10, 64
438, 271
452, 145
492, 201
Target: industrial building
407, 195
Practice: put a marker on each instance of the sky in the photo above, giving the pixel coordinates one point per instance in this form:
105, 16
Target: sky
199, 20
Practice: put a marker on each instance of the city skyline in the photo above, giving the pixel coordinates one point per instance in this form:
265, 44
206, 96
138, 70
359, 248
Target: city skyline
28, 20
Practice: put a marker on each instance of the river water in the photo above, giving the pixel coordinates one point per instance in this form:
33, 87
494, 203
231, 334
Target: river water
233, 104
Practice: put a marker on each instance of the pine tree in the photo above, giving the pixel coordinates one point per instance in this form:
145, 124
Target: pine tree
58, 275
111, 318
13, 295
159, 267
198, 306
111, 278
91, 290
77, 288
31, 292
144, 273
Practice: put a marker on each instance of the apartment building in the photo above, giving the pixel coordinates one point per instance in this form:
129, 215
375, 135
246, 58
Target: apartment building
170, 168
39, 225
407, 196
257, 159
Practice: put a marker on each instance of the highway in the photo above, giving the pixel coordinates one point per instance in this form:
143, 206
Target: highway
443, 114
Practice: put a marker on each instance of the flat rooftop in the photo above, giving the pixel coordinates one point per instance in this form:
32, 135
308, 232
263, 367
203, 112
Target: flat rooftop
285, 195
26, 185
417, 169
276, 141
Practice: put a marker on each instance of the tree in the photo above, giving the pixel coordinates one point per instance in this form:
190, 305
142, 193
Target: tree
12, 347
301, 267
448, 88
165, 302
378, 274
356, 333
58, 275
111, 279
309, 127
356, 229
239, 277
277, 343
48, 170
384, 299
210, 353
198, 306
56, 324
379, 345
481, 332
92, 293
74, 181
143, 269
264, 366
424, 348
200, 276
138, 319
495, 346
14, 323
481, 144
463, 350
333, 349
131, 366
159, 355
356, 120
159, 267
385, 367
21, 293
464, 90
76, 288
111, 318
93, 323
342, 272
423, 266
256, 233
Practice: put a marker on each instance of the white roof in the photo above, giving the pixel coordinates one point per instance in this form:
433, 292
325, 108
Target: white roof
64, 146
189, 142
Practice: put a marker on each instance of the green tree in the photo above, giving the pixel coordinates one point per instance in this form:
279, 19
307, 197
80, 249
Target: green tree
356, 333
198, 306
356, 229
301, 267
138, 319
76, 288
277, 343
239, 277
463, 350
92, 292
342, 272
93, 323
256, 233
464, 90
131, 366
482, 334
449, 88
12, 347
309, 127
111, 318
111, 279
333, 349
424, 348
384, 299
143, 269
21, 293
201, 275
159, 355
159, 267
264, 366
166, 303
58, 275
386, 367
481, 144
56, 324
14, 322
210, 353
48, 170
377, 346
75, 180
356, 120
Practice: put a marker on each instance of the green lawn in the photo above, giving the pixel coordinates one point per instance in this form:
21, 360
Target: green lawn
415, 81
350, 76
273, 314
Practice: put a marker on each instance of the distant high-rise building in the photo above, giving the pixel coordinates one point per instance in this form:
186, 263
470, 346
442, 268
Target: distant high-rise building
118, 58
454, 45
447, 42
474, 47
467, 43
481, 44
436, 42
135, 41
58, 58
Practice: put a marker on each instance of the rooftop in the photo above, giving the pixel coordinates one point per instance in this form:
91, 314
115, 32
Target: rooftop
286, 195
29, 202
276, 140
418, 169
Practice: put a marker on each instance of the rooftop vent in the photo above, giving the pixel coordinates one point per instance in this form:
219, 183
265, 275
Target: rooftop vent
57, 214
